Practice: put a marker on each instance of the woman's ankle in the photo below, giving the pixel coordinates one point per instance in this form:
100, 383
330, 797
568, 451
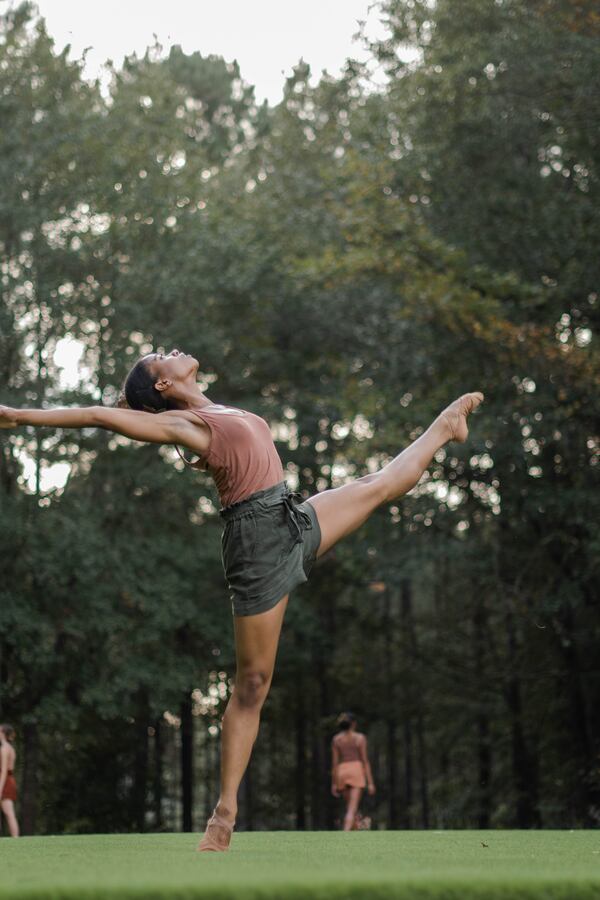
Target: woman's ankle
441, 430
226, 809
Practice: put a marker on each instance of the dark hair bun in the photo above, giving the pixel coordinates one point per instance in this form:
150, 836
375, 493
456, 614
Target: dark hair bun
139, 390
345, 720
9, 732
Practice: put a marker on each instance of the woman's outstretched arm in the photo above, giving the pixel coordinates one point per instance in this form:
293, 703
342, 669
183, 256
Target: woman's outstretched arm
335, 758
172, 427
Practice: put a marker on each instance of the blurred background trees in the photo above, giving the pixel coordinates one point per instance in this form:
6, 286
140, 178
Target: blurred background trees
344, 264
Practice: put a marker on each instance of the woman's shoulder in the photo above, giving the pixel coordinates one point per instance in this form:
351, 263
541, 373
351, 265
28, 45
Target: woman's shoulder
221, 410
348, 737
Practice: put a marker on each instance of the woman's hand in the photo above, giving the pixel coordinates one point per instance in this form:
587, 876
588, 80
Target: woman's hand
8, 417
371, 788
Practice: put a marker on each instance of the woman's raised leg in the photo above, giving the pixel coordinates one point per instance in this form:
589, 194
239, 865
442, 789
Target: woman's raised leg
256, 641
342, 510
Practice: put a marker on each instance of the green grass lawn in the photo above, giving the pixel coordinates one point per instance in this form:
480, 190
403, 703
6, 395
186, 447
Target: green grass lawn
362, 865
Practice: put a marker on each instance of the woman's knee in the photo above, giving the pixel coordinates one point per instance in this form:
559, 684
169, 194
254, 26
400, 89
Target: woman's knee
252, 687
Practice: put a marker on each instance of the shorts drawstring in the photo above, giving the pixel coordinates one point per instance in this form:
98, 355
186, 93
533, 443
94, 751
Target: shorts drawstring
298, 520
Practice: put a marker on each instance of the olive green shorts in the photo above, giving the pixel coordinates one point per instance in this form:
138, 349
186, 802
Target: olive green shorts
269, 544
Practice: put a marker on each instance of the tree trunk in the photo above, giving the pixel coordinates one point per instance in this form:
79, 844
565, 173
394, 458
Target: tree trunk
423, 770
390, 680
321, 761
408, 773
30, 778
392, 772
484, 770
317, 817
409, 701
585, 795
324, 756
140, 774
187, 762
523, 766
416, 701
300, 757
484, 747
158, 775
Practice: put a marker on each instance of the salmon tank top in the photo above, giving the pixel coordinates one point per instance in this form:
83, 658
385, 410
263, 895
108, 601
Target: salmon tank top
348, 749
242, 457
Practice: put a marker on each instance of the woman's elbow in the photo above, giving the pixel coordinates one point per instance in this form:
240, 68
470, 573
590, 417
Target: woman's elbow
97, 417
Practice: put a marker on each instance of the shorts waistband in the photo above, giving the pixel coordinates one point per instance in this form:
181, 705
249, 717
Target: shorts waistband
298, 519
268, 497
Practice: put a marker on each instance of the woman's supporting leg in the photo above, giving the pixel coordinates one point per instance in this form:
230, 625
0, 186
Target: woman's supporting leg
256, 640
8, 808
352, 797
342, 510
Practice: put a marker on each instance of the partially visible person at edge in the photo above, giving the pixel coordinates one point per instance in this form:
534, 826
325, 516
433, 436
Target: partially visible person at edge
8, 785
270, 539
350, 768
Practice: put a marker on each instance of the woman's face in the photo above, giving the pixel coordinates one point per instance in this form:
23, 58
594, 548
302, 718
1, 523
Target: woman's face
174, 366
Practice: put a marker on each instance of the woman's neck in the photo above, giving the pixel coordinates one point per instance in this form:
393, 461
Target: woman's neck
191, 397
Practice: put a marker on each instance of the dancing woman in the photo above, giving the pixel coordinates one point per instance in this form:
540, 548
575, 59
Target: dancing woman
270, 540
8, 785
350, 768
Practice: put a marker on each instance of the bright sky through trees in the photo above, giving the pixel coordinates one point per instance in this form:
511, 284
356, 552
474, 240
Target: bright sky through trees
267, 37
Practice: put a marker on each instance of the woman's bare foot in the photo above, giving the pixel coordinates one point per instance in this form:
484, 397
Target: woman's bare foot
219, 828
455, 415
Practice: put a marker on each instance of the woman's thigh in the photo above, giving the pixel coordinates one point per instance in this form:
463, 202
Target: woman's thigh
257, 639
353, 800
342, 510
